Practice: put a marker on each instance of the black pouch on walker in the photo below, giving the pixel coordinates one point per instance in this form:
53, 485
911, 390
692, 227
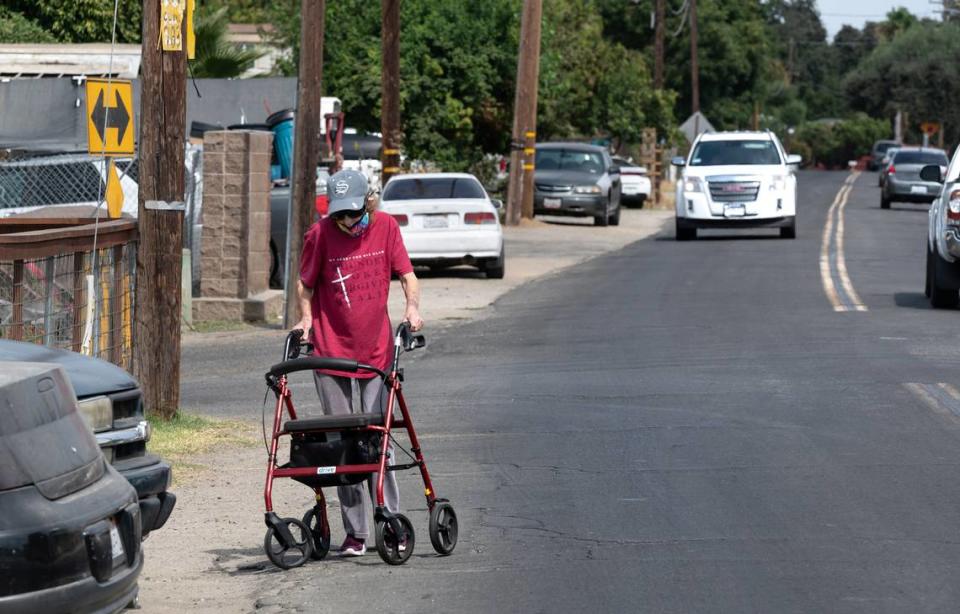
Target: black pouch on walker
329, 449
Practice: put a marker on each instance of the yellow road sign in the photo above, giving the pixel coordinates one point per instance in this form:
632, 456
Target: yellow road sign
109, 117
930, 128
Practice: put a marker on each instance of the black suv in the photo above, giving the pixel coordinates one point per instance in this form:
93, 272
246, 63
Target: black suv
110, 402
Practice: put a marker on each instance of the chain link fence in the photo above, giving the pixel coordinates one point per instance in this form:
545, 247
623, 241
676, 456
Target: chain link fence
70, 179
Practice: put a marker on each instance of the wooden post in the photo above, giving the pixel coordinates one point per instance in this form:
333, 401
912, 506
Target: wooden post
306, 144
659, 35
16, 325
79, 304
116, 307
163, 107
390, 89
694, 61
525, 116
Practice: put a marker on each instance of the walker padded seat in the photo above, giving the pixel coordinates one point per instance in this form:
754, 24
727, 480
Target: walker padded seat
345, 421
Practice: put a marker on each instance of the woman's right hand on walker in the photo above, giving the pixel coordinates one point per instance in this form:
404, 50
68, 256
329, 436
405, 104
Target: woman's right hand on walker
305, 326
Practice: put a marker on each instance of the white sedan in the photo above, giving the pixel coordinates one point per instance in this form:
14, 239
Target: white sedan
447, 219
635, 185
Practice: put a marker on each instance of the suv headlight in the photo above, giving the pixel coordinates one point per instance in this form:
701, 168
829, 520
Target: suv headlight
692, 185
778, 183
97, 412
586, 189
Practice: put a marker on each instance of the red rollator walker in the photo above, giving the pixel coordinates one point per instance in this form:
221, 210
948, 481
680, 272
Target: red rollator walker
345, 449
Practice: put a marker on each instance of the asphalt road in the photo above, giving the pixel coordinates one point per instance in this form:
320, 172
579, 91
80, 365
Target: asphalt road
685, 427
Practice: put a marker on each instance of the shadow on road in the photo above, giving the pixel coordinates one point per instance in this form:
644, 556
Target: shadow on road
911, 300
723, 237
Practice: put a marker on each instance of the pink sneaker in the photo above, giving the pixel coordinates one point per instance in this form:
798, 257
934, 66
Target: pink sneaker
353, 547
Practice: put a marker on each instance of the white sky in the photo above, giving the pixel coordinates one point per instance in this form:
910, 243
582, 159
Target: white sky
836, 13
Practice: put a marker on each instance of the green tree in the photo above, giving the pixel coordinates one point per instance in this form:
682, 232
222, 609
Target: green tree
83, 21
215, 55
15, 28
918, 72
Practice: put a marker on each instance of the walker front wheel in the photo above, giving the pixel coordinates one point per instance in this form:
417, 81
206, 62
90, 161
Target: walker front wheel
392, 547
443, 528
288, 551
316, 521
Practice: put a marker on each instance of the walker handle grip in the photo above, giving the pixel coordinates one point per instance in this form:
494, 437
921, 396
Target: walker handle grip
311, 363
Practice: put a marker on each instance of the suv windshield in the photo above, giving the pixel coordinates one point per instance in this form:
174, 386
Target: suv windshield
719, 153
437, 187
569, 160
920, 157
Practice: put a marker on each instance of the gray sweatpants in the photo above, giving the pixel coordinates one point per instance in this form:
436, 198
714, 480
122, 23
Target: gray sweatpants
340, 395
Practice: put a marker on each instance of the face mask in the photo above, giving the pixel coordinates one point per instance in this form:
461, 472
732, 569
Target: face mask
357, 228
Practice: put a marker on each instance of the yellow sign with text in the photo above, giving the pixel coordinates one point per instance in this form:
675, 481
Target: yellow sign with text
109, 117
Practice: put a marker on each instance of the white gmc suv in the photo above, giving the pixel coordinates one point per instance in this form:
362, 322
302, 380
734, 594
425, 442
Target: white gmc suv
736, 180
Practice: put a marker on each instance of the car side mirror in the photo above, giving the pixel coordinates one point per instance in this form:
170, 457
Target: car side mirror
497, 203
931, 172
794, 160
679, 161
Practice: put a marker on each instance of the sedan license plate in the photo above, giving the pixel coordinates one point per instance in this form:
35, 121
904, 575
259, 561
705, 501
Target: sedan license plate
552, 203
435, 221
734, 210
918, 189
116, 544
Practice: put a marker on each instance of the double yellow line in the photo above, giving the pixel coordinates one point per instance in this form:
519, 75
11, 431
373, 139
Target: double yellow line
833, 265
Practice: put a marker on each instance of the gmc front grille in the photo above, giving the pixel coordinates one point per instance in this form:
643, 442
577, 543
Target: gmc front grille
734, 191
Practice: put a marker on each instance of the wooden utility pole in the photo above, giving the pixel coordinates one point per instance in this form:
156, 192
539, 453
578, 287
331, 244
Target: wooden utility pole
660, 29
390, 88
163, 113
694, 69
306, 144
520, 190
694, 60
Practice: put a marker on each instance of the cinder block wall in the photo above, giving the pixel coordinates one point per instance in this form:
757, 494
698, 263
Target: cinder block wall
235, 248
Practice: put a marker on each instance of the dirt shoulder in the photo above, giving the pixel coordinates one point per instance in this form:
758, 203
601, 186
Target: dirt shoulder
209, 557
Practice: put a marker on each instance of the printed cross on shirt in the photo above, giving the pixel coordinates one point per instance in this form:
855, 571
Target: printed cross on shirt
340, 279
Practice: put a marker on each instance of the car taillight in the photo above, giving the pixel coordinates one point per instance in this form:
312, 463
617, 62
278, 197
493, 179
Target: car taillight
953, 207
891, 170
483, 217
401, 218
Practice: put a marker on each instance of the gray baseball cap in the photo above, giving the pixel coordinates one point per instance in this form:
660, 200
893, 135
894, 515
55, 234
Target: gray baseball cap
347, 191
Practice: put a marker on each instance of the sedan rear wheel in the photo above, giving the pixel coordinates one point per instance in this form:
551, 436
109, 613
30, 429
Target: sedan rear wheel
495, 268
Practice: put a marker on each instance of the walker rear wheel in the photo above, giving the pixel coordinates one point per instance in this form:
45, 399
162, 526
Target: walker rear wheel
316, 521
395, 549
286, 553
443, 528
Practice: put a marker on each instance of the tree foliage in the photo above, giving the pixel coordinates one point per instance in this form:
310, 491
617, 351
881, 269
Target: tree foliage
215, 56
83, 21
16, 28
918, 72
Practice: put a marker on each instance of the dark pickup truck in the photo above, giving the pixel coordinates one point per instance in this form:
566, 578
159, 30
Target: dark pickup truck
110, 402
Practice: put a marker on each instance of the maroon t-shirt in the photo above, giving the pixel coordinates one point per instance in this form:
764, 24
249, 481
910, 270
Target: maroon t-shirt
350, 279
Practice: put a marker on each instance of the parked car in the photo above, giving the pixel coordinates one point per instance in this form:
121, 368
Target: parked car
879, 150
943, 234
447, 219
736, 180
903, 182
110, 401
635, 184
577, 179
885, 165
70, 527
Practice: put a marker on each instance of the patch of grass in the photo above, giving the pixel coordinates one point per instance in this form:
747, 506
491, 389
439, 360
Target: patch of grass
186, 437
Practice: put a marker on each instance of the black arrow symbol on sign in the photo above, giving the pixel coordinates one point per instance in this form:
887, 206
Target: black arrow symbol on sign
118, 117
